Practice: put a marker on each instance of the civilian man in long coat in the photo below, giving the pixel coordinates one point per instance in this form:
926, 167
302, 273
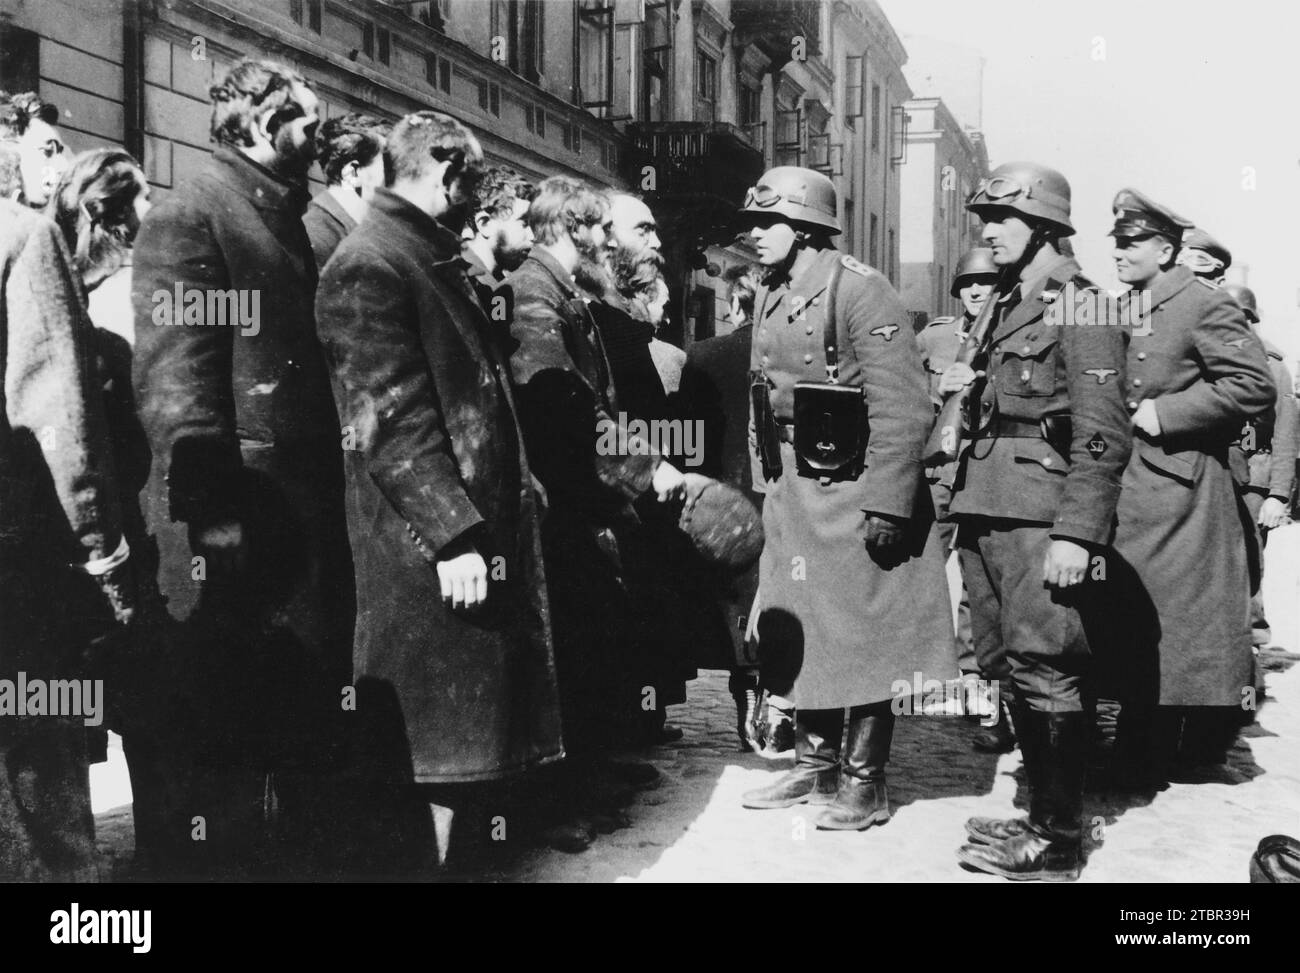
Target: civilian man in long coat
453, 635
246, 497
1195, 374
590, 470
60, 531
852, 593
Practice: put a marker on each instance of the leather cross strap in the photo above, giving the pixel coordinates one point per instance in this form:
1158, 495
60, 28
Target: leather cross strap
830, 337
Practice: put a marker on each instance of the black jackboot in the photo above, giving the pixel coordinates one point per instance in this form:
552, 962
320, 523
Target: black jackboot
863, 799
1050, 849
985, 831
813, 777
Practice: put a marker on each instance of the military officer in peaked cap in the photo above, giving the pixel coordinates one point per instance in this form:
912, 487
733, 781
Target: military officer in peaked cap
1195, 374
852, 598
1204, 256
1263, 461
939, 341
1034, 499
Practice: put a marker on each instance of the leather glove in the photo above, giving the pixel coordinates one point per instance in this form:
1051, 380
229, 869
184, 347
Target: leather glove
882, 533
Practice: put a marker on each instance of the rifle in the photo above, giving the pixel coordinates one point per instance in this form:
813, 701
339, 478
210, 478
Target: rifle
954, 418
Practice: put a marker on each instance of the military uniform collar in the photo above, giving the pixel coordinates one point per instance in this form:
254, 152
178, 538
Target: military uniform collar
809, 285
1029, 299
1172, 282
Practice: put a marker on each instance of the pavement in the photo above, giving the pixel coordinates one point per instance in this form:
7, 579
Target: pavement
691, 827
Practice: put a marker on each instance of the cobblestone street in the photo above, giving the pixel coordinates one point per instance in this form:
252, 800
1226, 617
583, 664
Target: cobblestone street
691, 827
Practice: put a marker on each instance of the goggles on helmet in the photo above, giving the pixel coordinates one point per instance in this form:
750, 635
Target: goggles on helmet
765, 197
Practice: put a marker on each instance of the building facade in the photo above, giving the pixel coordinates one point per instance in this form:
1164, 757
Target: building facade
683, 101
944, 164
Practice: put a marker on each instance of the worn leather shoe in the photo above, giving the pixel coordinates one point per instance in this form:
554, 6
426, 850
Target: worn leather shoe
858, 805
985, 831
1027, 857
799, 786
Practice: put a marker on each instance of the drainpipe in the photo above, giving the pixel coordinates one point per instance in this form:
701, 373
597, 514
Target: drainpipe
133, 77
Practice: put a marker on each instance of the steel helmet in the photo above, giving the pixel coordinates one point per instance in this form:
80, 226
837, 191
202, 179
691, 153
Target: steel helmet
1244, 296
1028, 188
974, 263
800, 195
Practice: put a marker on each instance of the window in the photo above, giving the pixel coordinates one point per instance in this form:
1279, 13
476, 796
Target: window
593, 71
751, 105
313, 15
535, 120
789, 137
656, 61
875, 118
852, 88
706, 87
534, 42
295, 11
503, 25
368, 39
571, 135
848, 225
20, 58
873, 250
385, 46
889, 269
437, 71
489, 97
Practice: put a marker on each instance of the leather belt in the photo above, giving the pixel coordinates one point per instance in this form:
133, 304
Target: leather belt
1001, 428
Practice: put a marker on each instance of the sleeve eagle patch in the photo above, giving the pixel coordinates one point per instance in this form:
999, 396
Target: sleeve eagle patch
886, 331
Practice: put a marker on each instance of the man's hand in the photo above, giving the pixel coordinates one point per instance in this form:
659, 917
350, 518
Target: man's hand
118, 586
1146, 419
1066, 564
464, 580
882, 533
956, 377
1272, 513
222, 546
668, 482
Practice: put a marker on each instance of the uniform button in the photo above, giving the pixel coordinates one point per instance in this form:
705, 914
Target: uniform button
1024, 350
1047, 461
767, 360
1137, 383
807, 359
987, 405
1024, 376
816, 301
808, 330
1133, 406
1142, 356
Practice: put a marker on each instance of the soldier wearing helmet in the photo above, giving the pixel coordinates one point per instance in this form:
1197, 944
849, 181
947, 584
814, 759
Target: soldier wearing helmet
1194, 374
1204, 256
1263, 461
938, 340
852, 600
1034, 501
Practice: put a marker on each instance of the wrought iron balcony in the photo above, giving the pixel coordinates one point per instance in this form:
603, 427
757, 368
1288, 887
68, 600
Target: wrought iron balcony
692, 158
772, 26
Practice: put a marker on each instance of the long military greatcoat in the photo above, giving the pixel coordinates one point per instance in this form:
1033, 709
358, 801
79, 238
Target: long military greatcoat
438, 458
1194, 355
837, 622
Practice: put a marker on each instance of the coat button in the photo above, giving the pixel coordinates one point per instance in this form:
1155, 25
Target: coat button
987, 405
766, 361
807, 359
1024, 350
1142, 356
808, 330
1047, 461
1132, 406
1137, 383
1024, 376
816, 301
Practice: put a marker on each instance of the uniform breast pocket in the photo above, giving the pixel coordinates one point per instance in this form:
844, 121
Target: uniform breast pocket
1028, 368
1039, 454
